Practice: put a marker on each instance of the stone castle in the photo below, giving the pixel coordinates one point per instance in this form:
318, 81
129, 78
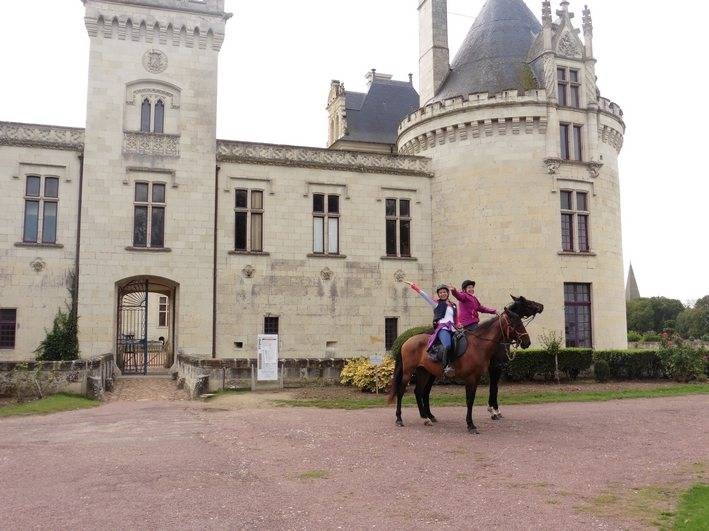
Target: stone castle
504, 169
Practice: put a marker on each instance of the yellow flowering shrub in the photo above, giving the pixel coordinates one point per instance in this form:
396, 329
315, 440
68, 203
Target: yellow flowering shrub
364, 375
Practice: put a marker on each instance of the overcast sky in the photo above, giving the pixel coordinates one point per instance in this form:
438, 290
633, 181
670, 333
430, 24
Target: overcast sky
280, 55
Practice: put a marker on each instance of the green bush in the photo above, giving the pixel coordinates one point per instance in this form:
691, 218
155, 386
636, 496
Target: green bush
631, 364
61, 343
528, 364
705, 338
365, 376
634, 336
406, 334
601, 370
681, 361
651, 336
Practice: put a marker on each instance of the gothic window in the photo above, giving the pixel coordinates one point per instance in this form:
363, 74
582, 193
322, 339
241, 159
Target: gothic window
41, 206
568, 87
398, 227
248, 220
574, 221
570, 141
577, 313
149, 215
145, 112
326, 224
8, 327
159, 120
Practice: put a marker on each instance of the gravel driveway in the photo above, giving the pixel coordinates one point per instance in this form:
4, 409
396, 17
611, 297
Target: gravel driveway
140, 465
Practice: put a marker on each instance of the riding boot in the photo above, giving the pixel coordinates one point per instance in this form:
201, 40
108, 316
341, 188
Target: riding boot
448, 370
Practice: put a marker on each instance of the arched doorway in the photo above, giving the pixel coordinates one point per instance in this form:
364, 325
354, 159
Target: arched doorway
145, 334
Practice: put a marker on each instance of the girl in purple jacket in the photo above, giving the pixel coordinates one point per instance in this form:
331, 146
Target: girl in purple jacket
469, 305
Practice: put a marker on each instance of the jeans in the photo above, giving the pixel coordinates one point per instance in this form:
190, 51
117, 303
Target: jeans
446, 338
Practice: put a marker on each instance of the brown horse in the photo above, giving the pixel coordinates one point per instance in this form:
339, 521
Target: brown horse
470, 366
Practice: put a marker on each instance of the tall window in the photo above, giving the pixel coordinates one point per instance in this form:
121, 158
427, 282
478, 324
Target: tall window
577, 311
248, 220
41, 205
149, 215
568, 87
574, 221
326, 224
391, 331
162, 311
152, 114
270, 325
570, 140
398, 227
8, 325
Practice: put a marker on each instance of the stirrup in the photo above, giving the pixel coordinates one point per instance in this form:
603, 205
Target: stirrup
448, 371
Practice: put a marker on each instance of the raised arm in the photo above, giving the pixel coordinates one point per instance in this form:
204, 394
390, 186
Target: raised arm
423, 294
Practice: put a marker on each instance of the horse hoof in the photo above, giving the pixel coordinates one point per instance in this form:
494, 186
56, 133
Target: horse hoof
473, 431
427, 422
495, 417
400, 423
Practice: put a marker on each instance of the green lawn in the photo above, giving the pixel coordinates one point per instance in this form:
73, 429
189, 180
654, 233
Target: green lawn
693, 511
508, 397
50, 404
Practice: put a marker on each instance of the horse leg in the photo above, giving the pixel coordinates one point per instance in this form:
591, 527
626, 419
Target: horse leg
470, 389
421, 380
492, 406
427, 397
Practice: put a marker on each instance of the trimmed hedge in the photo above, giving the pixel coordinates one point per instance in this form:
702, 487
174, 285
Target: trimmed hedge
632, 364
528, 364
406, 334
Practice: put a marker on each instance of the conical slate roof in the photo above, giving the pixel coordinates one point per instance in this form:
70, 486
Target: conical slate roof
493, 56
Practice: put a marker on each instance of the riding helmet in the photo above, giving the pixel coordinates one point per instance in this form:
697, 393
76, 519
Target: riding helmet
467, 283
442, 286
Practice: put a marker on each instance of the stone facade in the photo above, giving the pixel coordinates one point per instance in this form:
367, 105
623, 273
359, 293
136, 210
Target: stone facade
482, 174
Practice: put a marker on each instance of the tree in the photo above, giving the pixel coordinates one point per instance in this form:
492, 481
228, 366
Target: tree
653, 314
62, 342
694, 322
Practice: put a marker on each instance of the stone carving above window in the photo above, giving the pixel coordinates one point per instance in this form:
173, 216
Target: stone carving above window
153, 144
248, 271
399, 276
155, 61
567, 46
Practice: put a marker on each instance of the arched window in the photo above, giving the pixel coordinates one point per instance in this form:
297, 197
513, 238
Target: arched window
145, 116
159, 123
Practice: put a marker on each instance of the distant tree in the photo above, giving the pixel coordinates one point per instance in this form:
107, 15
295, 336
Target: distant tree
694, 322
653, 314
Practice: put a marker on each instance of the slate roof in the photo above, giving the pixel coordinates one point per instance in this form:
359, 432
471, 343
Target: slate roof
375, 116
493, 56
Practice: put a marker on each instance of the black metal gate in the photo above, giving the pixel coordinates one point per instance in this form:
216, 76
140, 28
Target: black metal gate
132, 336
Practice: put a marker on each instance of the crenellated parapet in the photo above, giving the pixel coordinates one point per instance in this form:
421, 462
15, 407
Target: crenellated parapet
42, 136
308, 157
181, 23
606, 105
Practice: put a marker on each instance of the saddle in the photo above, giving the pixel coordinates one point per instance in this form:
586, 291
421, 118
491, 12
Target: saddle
460, 345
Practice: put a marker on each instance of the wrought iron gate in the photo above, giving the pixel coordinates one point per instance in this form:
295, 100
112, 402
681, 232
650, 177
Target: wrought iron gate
132, 337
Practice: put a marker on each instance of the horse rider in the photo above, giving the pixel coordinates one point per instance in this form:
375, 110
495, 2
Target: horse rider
445, 322
469, 305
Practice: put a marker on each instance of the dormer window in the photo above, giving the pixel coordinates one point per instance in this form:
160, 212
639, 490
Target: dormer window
568, 87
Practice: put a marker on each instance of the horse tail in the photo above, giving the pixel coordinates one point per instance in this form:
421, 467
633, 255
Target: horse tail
396, 379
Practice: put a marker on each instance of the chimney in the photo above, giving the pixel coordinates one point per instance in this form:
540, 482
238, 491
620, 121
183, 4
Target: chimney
434, 57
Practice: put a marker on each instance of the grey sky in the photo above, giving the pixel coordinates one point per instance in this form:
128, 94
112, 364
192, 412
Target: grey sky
280, 55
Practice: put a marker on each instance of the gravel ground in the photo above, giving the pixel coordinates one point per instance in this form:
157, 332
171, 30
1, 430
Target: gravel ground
145, 464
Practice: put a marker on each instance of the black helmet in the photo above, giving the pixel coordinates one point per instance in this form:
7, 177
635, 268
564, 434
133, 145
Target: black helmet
467, 283
442, 286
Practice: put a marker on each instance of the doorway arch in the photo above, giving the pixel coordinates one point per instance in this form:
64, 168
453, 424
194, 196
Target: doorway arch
145, 331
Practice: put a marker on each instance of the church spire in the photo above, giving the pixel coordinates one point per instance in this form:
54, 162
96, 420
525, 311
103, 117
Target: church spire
631, 286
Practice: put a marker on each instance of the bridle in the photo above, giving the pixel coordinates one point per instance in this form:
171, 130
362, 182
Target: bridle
507, 329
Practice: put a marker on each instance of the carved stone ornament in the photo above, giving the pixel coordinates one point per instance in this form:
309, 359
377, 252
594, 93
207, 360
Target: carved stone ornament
399, 276
327, 274
154, 61
552, 165
248, 271
594, 168
568, 47
38, 265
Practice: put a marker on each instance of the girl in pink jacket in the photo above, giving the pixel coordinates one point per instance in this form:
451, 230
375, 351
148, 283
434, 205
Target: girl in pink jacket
469, 305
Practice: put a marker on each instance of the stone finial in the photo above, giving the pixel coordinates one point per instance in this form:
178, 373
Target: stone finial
564, 12
587, 21
411, 78
546, 12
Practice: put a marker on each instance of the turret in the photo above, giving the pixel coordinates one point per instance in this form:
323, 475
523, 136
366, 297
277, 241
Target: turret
434, 61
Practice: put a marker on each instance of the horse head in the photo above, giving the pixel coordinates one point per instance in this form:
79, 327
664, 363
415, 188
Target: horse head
525, 307
516, 332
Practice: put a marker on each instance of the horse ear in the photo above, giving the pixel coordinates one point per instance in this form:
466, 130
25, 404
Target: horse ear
514, 298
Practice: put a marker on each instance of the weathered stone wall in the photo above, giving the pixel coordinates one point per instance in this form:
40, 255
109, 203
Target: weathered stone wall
88, 377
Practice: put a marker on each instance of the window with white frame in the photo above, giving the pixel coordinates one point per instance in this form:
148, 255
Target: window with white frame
248, 220
326, 224
398, 227
571, 141
149, 215
568, 87
574, 221
162, 312
41, 207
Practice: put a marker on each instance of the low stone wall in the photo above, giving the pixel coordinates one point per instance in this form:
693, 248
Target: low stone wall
32, 379
206, 375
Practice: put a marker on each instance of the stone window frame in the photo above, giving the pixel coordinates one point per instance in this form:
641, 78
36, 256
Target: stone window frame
568, 91
150, 123
397, 218
154, 91
577, 219
390, 332
327, 217
149, 205
42, 200
8, 329
163, 311
575, 294
251, 213
271, 324
571, 141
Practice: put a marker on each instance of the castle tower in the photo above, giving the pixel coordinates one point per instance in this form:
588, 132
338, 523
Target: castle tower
149, 160
433, 47
526, 197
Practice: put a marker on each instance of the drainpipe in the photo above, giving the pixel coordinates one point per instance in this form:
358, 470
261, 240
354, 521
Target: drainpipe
214, 265
75, 301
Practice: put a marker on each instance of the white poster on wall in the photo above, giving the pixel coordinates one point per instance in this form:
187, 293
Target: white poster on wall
267, 361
